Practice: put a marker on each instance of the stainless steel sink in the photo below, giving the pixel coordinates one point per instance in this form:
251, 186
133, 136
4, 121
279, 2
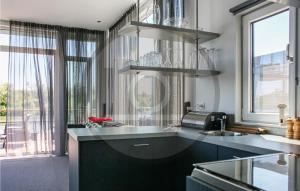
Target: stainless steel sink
222, 133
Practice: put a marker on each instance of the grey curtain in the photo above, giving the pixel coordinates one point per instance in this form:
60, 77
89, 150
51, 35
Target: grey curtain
121, 49
30, 91
138, 99
56, 77
83, 58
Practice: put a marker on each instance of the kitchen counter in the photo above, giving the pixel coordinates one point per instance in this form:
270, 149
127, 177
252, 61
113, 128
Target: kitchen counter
127, 132
261, 144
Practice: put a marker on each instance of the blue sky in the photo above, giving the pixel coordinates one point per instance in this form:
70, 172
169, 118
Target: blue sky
3, 59
272, 34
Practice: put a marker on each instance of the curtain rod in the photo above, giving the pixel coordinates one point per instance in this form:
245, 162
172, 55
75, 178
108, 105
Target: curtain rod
244, 6
47, 26
122, 17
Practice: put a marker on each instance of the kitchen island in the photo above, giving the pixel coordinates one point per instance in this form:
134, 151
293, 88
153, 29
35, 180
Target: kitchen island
152, 158
277, 172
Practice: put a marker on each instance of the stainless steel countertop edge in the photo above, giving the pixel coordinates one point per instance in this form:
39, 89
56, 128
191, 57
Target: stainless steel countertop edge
250, 143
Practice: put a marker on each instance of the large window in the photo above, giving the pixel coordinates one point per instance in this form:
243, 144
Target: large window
267, 72
43, 69
4, 41
26, 90
81, 80
270, 69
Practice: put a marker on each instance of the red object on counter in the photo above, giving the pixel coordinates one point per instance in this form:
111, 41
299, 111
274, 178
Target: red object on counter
99, 119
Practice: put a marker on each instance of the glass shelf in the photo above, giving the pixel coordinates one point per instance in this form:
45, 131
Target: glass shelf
169, 71
163, 32
175, 39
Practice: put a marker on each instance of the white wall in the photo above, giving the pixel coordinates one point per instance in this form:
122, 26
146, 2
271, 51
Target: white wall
298, 60
214, 16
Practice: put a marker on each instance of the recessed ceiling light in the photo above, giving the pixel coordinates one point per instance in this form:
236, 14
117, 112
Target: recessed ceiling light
99, 21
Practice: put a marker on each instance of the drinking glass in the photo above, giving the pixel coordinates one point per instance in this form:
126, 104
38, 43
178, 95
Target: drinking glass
203, 57
156, 14
159, 58
167, 62
212, 55
178, 57
193, 60
166, 11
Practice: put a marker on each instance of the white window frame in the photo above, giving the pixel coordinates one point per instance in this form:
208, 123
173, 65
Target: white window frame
247, 20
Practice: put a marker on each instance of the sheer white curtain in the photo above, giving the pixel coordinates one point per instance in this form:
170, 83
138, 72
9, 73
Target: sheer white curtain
84, 71
51, 67
121, 50
30, 89
139, 99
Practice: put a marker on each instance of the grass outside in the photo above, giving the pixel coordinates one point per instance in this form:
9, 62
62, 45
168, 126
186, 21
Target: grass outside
2, 124
2, 119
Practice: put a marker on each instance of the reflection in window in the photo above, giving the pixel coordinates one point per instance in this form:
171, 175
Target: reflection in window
270, 70
267, 174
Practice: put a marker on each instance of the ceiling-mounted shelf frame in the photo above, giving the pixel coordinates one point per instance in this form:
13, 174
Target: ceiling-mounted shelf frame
169, 71
163, 32
195, 36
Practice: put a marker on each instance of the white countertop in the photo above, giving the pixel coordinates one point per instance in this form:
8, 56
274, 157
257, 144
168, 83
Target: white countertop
261, 144
127, 132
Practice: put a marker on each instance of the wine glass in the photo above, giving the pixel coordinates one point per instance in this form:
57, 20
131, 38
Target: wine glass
167, 62
193, 60
156, 14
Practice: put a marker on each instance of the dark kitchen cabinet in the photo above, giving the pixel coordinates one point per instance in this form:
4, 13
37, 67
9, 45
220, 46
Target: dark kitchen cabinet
132, 164
225, 153
160, 164
197, 185
122, 165
197, 152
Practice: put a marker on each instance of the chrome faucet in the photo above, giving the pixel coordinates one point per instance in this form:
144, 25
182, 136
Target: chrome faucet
223, 123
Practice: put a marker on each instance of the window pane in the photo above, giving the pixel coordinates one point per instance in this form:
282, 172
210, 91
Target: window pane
32, 42
77, 89
84, 48
82, 76
4, 39
270, 70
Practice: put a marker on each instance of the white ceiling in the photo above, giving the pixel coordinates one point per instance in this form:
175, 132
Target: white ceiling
71, 13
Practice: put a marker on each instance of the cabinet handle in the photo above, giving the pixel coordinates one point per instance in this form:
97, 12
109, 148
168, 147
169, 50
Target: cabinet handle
141, 145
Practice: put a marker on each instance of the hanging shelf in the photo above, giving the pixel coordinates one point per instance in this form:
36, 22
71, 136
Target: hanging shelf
170, 33
169, 71
163, 32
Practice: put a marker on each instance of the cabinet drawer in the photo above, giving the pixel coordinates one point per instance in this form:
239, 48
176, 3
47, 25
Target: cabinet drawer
136, 148
225, 153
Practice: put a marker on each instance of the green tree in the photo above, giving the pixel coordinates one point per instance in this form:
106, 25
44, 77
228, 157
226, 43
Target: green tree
3, 99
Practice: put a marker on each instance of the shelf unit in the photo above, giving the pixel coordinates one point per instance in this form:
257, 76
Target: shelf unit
163, 32
170, 33
169, 71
